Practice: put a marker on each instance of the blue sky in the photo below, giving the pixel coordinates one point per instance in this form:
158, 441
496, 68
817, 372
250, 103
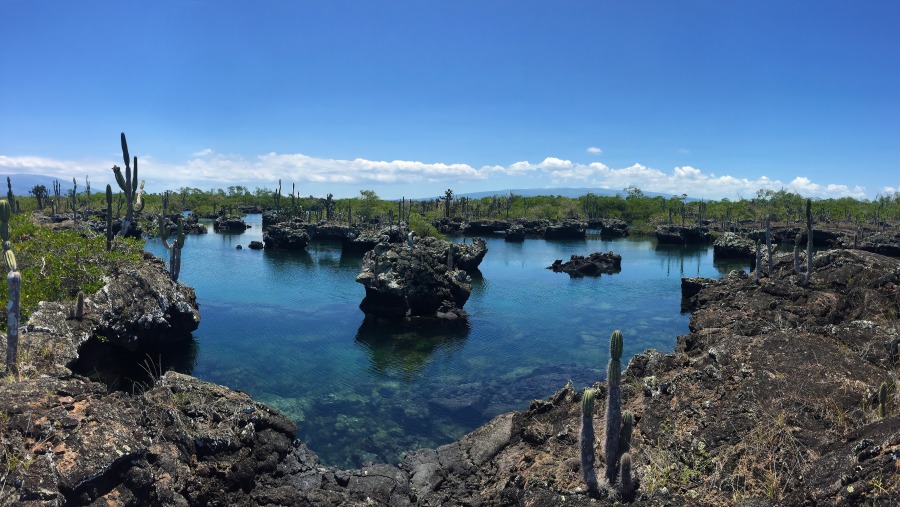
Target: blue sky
408, 98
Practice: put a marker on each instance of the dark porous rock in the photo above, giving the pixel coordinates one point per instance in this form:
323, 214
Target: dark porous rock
137, 309
566, 229
192, 225
673, 234
515, 233
486, 226
535, 227
450, 225
610, 227
364, 240
256, 245
423, 281
593, 265
732, 246
884, 243
233, 224
288, 235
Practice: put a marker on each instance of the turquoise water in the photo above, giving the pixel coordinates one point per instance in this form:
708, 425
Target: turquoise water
285, 327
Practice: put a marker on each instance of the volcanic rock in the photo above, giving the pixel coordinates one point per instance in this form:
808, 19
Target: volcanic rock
594, 265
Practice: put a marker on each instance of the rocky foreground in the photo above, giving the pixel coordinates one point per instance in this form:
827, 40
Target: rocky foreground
771, 399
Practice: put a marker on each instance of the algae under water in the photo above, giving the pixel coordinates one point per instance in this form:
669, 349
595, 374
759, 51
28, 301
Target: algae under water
285, 327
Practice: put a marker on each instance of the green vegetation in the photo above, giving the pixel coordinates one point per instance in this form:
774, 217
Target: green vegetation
57, 264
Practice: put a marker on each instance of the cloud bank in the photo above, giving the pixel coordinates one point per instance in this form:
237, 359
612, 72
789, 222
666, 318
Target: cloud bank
207, 169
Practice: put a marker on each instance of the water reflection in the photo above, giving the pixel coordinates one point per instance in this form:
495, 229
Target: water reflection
403, 348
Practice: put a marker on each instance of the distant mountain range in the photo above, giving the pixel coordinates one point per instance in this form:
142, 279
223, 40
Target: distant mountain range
23, 183
563, 192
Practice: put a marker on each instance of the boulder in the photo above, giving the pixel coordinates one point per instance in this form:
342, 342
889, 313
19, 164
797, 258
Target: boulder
567, 229
594, 265
516, 233
256, 245
610, 227
731, 246
424, 281
674, 234
290, 235
230, 224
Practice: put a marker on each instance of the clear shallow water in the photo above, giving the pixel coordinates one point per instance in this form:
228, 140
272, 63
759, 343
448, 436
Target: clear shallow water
285, 327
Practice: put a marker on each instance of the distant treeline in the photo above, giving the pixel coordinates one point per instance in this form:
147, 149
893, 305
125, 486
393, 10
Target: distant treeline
641, 211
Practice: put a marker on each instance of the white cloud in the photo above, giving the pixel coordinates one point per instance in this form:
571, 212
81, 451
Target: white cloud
203, 153
210, 169
593, 150
684, 151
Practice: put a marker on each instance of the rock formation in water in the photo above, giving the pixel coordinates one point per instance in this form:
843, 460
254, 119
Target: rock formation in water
230, 224
287, 235
674, 234
732, 246
428, 280
594, 265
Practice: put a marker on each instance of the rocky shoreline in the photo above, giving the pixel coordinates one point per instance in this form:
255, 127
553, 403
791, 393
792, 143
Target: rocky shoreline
771, 399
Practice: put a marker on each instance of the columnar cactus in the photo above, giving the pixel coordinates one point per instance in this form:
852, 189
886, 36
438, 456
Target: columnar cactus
809, 243
769, 244
882, 399
586, 437
74, 201
626, 484
14, 282
613, 406
79, 306
174, 247
9, 195
129, 185
109, 224
797, 269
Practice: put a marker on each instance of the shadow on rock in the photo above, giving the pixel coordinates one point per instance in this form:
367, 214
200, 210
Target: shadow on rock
130, 371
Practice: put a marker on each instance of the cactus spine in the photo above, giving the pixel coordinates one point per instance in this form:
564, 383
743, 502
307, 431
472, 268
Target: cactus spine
586, 438
129, 186
14, 282
613, 406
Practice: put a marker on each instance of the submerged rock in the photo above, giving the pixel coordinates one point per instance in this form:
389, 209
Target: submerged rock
593, 265
428, 280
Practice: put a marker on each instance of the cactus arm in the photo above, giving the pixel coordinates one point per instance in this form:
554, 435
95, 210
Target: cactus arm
613, 407
587, 438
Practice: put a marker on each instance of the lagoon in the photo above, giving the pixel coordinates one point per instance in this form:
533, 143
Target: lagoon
285, 327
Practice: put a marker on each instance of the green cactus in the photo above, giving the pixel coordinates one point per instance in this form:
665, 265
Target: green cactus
14, 282
9, 194
809, 243
129, 186
586, 438
79, 306
882, 399
174, 247
613, 406
109, 224
625, 434
626, 484
615, 345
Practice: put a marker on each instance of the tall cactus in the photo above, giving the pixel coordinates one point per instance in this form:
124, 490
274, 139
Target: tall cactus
769, 245
882, 400
809, 243
586, 438
10, 196
74, 201
14, 282
129, 185
109, 224
626, 484
174, 247
613, 406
